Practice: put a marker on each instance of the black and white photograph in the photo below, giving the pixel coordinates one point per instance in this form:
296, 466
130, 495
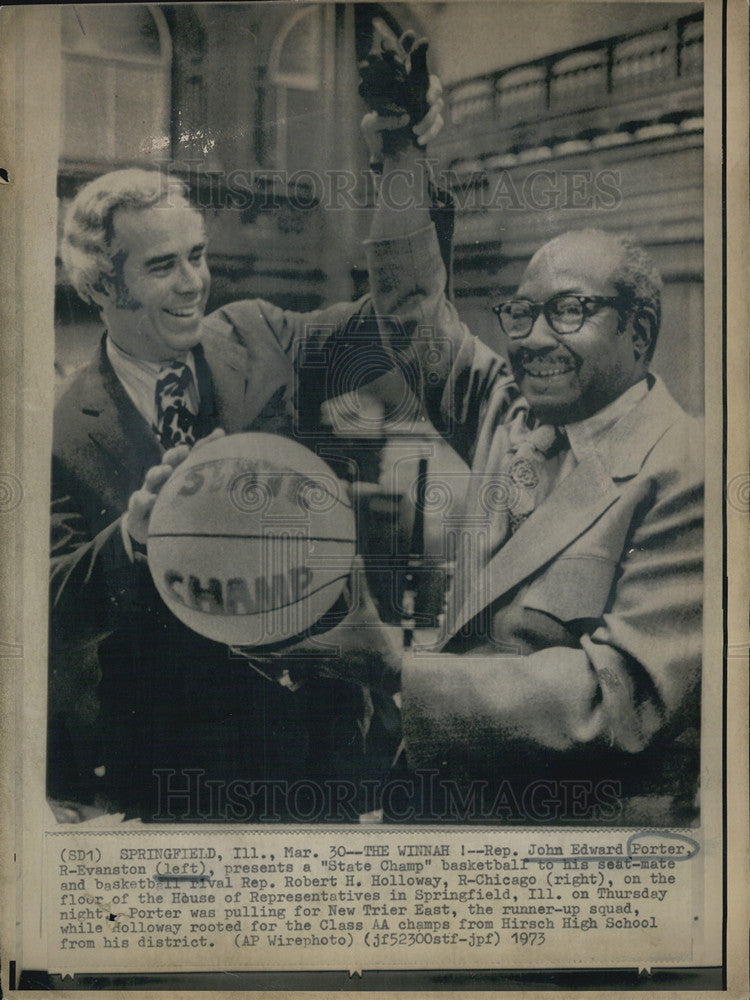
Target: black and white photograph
380, 393
505, 459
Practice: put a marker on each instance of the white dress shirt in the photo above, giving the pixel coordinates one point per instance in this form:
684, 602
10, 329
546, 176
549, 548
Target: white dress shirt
139, 378
584, 435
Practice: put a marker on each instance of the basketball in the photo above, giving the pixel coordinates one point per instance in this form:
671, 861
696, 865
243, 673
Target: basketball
251, 539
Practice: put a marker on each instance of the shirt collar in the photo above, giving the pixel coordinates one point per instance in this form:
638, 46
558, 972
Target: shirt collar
139, 377
130, 362
584, 435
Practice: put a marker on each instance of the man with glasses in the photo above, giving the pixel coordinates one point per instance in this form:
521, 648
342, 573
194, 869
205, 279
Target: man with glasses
566, 683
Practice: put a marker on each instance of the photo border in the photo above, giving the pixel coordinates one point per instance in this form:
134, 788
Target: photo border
23, 306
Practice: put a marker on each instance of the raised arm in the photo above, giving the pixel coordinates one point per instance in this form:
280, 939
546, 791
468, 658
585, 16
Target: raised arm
459, 379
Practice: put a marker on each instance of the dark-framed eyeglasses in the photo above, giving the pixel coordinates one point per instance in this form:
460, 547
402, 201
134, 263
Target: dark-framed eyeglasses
564, 312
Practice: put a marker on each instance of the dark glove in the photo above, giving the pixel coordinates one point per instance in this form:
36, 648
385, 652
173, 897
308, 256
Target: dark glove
395, 81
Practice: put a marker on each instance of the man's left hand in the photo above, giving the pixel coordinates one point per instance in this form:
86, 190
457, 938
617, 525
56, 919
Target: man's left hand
401, 93
360, 649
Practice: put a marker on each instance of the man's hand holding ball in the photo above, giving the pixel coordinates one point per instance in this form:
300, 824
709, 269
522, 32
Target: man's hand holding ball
141, 503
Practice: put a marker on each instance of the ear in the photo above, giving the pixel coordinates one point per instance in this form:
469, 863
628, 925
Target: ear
103, 292
643, 324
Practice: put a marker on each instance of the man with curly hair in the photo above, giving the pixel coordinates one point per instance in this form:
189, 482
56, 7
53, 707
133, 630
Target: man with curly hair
160, 722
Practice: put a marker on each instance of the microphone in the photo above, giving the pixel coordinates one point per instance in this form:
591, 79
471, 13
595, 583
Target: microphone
414, 561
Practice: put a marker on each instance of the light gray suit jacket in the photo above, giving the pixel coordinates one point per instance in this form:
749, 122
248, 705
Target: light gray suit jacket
576, 653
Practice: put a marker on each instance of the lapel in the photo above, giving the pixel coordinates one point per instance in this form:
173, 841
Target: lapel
234, 387
227, 362
114, 425
574, 504
207, 411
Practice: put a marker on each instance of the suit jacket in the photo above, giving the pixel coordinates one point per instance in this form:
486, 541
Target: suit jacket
173, 710
575, 655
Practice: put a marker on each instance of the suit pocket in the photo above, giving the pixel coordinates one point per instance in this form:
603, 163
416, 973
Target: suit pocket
572, 588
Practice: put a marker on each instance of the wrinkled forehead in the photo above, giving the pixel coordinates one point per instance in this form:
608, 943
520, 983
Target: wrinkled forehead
575, 262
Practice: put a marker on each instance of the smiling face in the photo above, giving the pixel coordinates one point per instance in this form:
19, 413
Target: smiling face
154, 305
568, 377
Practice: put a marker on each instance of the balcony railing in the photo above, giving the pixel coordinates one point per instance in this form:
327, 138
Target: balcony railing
599, 74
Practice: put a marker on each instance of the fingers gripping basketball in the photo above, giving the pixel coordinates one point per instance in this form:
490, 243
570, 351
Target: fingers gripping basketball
251, 540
